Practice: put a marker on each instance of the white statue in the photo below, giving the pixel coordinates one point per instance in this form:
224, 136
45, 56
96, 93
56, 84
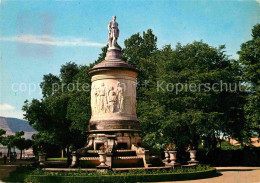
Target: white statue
113, 33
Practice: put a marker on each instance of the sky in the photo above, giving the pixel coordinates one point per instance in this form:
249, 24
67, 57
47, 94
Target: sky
38, 36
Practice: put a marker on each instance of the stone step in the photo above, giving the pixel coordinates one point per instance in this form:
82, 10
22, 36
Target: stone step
127, 157
118, 162
125, 150
117, 157
89, 158
118, 152
94, 151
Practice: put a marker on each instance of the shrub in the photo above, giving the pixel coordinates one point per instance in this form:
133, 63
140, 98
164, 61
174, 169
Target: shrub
39, 175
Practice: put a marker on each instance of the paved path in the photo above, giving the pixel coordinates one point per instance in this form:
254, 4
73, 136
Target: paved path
232, 175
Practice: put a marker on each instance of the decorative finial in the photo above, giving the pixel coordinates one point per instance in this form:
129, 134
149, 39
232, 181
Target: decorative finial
113, 33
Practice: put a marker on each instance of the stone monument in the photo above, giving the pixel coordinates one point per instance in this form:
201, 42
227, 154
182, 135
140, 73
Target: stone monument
114, 123
113, 99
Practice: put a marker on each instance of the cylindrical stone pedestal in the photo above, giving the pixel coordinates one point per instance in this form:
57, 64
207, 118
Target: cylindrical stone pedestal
113, 103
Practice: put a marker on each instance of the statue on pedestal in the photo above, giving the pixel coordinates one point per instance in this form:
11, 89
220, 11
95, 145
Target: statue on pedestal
113, 123
113, 33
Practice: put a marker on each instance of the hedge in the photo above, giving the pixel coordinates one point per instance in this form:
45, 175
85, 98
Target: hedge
248, 156
123, 177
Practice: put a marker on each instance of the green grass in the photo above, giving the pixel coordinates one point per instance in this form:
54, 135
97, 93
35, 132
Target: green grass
57, 159
28, 175
227, 146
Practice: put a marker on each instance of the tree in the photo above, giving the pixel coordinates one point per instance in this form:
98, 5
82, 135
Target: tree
2, 132
189, 115
22, 143
10, 141
62, 115
249, 57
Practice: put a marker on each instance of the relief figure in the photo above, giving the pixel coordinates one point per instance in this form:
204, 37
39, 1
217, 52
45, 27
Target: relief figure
112, 99
93, 98
102, 98
107, 100
120, 97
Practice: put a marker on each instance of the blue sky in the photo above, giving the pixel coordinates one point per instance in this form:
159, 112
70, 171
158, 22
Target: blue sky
37, 37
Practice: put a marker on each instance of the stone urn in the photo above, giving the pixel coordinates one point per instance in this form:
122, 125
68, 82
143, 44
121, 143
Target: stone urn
42, 157
193, 157
74, 159
173, 157
102, 159
167, 157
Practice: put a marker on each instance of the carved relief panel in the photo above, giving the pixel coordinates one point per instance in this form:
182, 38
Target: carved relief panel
110, 96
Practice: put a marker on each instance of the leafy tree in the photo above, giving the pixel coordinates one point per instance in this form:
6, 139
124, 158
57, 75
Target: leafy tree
61, 116
249, 57
187, 115
22, 143
44, 141
10, 141
2, 132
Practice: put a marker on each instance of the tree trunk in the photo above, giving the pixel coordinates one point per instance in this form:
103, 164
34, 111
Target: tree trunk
62, 153
9, 152
21, 155
68, 155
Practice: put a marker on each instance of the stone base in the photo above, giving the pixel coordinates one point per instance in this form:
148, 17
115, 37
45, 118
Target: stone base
173, 164
114, 140
193, 162
102, 167
113, 53
42, 164
114, 48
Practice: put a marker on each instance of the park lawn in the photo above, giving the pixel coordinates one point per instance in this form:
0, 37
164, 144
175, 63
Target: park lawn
57, 159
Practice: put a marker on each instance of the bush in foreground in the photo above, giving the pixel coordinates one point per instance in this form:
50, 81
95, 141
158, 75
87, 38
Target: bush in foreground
38, 175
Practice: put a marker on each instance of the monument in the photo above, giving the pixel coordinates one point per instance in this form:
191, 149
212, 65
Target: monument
114, 123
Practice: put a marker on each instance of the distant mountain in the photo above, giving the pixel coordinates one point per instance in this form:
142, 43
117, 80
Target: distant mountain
12, 125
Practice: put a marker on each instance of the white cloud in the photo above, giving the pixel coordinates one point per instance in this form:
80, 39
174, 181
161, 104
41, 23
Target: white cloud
6, 107
12, 114
51, 41
7, 110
